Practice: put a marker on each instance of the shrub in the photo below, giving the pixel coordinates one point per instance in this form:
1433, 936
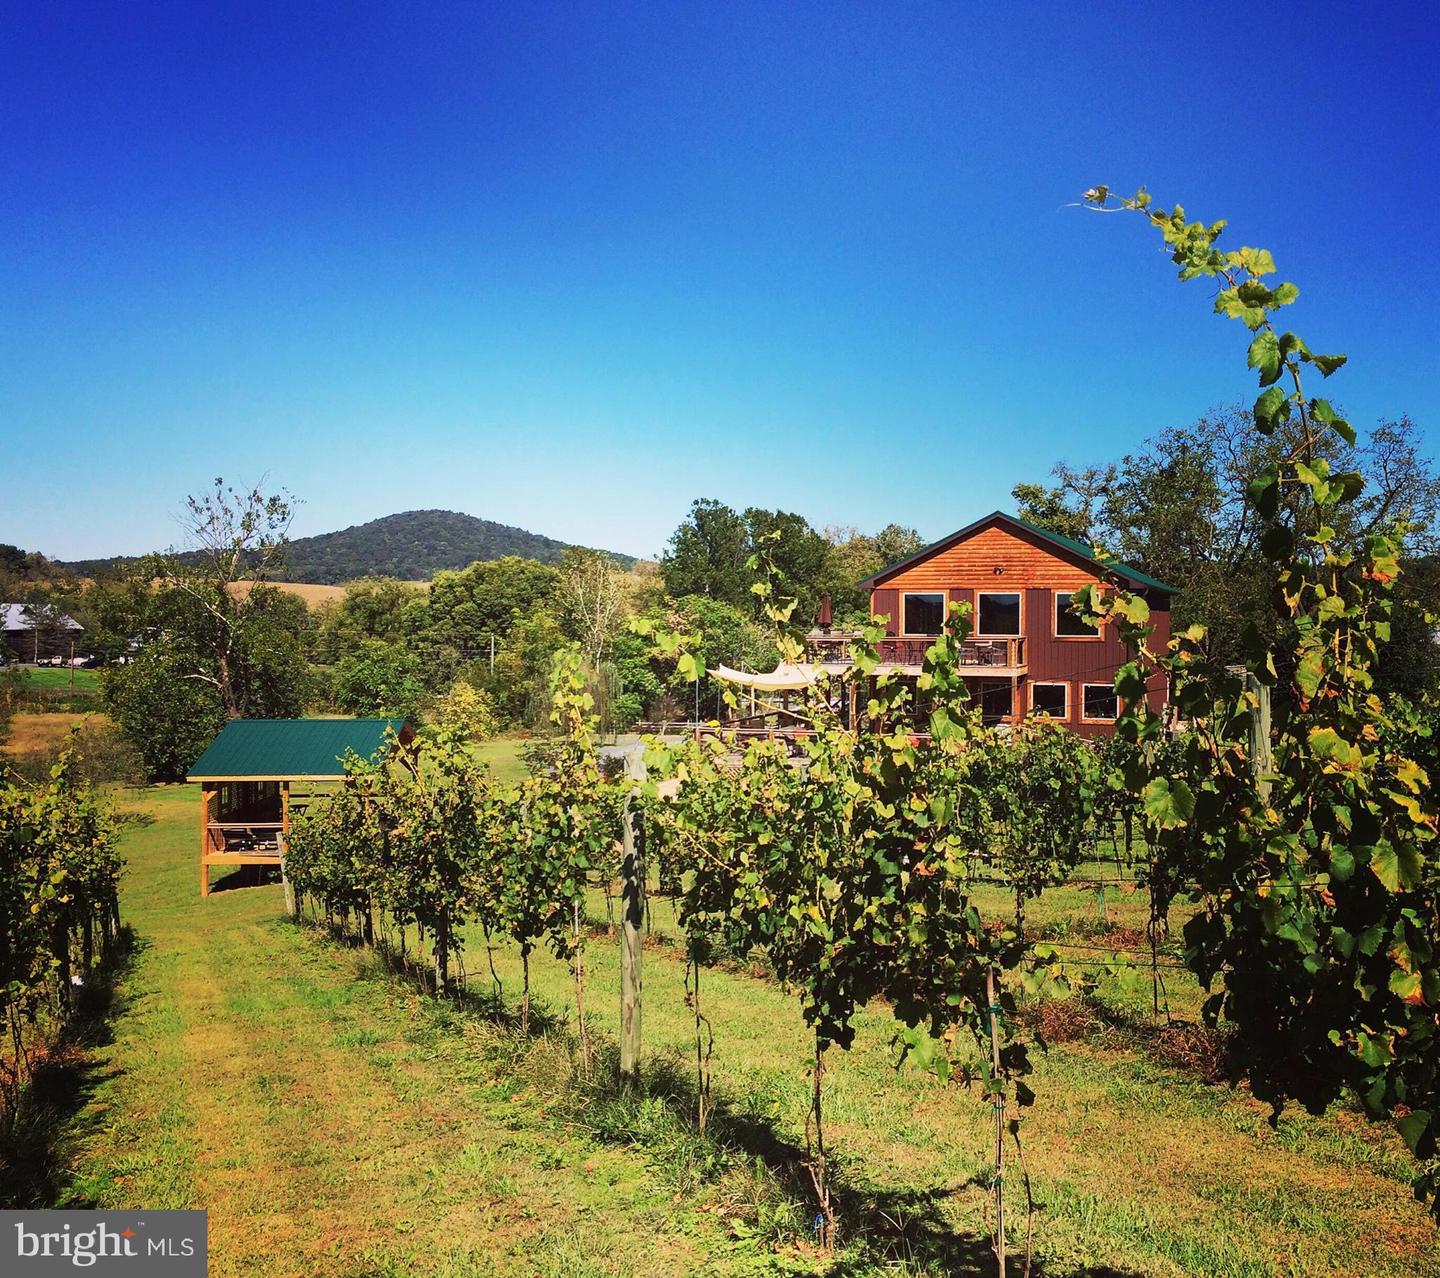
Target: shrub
100, 754
469, 711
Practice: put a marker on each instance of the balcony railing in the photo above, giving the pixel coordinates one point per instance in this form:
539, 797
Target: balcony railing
995, 654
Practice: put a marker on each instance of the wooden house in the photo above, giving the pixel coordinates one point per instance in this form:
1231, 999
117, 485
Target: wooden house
1029, 652
258, 773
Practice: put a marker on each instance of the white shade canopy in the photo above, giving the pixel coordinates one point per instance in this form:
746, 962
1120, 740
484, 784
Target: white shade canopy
785, 676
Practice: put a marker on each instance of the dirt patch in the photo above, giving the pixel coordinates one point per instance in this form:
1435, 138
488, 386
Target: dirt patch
1194, 1048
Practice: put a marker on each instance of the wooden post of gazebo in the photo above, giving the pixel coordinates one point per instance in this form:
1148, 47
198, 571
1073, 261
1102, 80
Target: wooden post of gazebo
206, 796
290, 909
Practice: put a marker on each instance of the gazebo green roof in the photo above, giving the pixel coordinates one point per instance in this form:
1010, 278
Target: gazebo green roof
279, 749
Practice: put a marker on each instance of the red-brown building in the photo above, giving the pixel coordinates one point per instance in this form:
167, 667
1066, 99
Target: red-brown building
1029, 652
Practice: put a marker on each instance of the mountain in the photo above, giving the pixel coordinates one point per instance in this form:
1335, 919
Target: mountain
413, 546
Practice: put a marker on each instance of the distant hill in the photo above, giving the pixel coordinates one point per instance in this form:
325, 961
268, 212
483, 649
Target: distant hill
413, 546
28, 566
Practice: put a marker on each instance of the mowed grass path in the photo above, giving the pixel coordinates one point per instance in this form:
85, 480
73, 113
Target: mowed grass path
333, 1122
336, 1123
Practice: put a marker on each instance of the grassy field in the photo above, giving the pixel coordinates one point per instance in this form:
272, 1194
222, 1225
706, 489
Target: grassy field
28, 733
313, 594
337, 1123
502, 756
53, 677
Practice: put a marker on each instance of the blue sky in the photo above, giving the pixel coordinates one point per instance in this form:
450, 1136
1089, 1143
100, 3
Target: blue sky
571, 266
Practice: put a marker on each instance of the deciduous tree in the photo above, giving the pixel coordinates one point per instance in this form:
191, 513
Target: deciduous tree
590, 602
235, 542
707, 553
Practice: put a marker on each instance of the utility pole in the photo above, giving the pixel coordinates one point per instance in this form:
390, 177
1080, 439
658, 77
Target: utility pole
492, 654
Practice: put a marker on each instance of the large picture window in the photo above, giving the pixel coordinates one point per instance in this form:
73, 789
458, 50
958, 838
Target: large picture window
1050, 699
999, 613
924, 614
1067, 624
1099, 702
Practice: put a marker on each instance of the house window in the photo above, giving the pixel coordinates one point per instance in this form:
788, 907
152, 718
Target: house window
1067, 624
924, 614
999, 613
1050, 699
996, 701
1099, 702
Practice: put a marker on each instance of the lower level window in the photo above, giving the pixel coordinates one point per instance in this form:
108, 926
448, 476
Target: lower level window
996, 701
1051, 699
1100, 702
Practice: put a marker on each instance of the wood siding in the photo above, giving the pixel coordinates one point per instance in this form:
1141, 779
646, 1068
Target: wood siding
1051, 656
960, 594
971, 564
886, 603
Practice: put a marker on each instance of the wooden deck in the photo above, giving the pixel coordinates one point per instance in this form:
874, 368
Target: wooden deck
998, 658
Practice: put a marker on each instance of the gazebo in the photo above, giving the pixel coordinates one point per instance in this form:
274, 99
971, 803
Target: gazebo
258, 772
829, 652
765, 717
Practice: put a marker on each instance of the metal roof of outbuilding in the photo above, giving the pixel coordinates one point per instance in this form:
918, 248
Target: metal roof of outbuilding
276, 749
17, 616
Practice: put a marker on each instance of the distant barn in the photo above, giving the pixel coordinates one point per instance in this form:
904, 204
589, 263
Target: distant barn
259, 772
33, 631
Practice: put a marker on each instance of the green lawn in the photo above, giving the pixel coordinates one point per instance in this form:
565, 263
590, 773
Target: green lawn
48, 677
502, 756
337, 1123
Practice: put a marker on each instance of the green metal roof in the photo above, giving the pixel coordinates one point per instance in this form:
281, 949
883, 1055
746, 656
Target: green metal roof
1068, 543
274, 748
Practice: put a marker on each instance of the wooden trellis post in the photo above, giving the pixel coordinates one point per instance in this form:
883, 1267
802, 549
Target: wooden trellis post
632, 919
997, 1097
282, 845
1262, 756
